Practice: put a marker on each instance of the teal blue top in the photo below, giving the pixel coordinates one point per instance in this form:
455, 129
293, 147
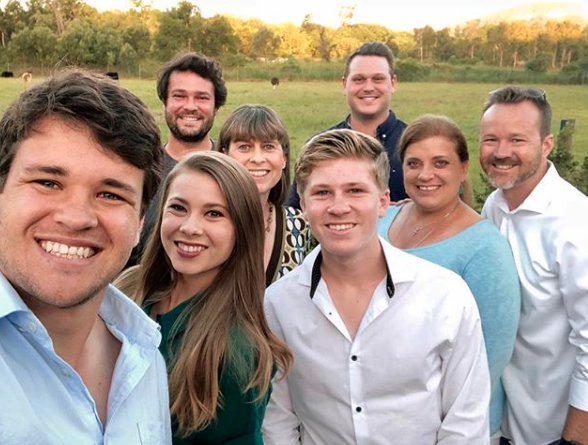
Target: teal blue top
240, 417
482, 257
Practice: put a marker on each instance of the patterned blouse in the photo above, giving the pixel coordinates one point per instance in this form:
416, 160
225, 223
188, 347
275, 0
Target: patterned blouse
292, 243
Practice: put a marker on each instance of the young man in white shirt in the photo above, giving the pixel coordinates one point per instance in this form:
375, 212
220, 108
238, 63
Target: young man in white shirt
544, 218
387, 347
80, 161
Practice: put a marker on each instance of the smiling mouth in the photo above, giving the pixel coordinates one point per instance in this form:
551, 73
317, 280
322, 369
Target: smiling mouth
258, 173
189, 248
66, 251
427, 188
340, 227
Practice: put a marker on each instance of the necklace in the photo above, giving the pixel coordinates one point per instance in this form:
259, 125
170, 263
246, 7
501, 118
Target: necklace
268, 225
436, 224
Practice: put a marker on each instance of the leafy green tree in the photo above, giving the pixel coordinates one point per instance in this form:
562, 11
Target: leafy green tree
78, 43
37, 46
180, 29
218, 37
265, 43
10, 18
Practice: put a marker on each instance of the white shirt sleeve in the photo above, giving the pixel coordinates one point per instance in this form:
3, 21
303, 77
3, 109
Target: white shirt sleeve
573, 279
280, 424
466, 384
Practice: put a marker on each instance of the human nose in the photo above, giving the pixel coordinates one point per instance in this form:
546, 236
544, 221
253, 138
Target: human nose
426, 173
257, 155
191, 226
338, 206
76, 212
502, 150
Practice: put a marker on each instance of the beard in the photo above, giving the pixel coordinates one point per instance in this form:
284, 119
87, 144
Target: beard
191, 135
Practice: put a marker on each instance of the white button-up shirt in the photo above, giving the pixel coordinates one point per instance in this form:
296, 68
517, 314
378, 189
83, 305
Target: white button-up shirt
43, 400
549, 367
415, 372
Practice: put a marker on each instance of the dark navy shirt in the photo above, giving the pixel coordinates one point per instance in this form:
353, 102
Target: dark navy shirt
388, 133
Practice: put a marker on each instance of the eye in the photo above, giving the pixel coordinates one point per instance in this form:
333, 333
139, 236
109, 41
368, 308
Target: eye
355, 190
178, 208
214, 214
110, 196
243, 147
47, 183
441, 163
321, 192
269, 147
411, 164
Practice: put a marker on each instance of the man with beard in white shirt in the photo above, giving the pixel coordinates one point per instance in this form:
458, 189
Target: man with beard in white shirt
544, 218
388, 348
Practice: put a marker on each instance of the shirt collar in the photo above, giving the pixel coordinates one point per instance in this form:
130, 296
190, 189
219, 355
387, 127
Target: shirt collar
122, 313
385, 128
540, 197
10, 301
316, 277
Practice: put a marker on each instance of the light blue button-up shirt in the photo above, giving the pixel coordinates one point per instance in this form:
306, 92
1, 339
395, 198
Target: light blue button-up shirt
43, 400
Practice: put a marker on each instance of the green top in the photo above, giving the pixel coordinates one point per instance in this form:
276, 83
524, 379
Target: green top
239, 419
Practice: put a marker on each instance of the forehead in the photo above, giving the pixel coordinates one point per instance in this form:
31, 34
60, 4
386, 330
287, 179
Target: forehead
195, 187
71, 148
369, 65
189, 81
522, 116
340, 171
432, 146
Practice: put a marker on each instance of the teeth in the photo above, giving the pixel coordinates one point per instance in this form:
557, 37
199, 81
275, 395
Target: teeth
190, 248
503, 166
65, 251
258, 173
340, 226
428, 187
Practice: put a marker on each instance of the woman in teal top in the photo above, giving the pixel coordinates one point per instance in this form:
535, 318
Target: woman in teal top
201, 277
437, 226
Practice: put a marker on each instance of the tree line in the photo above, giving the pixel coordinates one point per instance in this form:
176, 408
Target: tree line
50, 33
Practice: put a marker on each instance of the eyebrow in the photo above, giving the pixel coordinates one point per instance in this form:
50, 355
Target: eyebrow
185, 202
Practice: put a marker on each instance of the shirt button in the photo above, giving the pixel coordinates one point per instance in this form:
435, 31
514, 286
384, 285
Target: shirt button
32, 327
354, 358
358, 409
65, 372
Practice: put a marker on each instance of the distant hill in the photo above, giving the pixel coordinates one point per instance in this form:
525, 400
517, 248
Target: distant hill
539, 12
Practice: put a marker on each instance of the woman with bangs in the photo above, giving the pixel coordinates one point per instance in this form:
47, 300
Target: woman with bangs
201, 278
256, 137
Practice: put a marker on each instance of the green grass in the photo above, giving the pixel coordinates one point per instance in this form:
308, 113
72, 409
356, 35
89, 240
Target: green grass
308, 107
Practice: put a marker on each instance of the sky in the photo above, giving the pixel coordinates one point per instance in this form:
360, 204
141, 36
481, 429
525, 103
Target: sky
396, 15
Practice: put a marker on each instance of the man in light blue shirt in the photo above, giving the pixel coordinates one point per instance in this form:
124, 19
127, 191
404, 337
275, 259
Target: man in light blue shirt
79, 163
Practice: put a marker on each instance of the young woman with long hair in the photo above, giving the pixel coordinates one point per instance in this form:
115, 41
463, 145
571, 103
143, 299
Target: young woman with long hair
201, 277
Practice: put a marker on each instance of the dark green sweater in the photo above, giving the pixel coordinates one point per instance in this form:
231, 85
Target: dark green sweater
239, 419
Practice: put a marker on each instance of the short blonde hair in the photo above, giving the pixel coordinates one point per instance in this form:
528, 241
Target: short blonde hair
338, 144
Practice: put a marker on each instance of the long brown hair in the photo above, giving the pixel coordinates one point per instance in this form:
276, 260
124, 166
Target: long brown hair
233, 301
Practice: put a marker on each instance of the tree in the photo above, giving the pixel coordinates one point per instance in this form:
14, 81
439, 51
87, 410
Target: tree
265, 43
180, 28
293, 41
37, 46
219, 38
10, 18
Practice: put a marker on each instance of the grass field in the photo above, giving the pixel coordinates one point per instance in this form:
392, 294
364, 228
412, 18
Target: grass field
308, 107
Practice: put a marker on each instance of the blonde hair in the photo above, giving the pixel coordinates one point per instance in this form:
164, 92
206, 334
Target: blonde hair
342, 143
258, 122
234, 301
